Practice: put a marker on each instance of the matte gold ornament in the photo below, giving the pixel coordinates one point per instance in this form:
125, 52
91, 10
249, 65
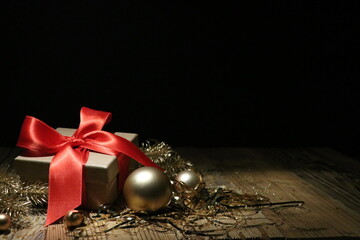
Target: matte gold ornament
147, 189
5, 222
188, 183
73, 218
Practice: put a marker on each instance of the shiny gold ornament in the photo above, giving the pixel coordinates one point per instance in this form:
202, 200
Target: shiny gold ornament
147, 189
5, 222
188, 183
73, 218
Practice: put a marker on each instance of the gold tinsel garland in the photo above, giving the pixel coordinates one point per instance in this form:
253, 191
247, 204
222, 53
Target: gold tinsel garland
163, 155
19, 199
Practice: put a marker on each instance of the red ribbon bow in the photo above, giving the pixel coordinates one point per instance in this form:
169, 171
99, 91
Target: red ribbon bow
66, 181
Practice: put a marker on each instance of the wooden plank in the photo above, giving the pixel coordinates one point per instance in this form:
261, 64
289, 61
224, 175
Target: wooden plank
326, 180
337, 177
333, 207
36, 230
324, 214
56, 232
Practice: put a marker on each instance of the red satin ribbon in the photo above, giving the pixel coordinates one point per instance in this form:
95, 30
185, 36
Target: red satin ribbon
66, 178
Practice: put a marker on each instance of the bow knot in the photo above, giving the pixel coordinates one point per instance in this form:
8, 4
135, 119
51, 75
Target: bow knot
66, 179
74, 142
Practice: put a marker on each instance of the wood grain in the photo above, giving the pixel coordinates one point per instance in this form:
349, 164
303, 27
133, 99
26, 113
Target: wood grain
327, 181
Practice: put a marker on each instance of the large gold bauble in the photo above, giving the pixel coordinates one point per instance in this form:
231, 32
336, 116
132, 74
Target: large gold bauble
147, 189
73, 218
5, 222
188, 183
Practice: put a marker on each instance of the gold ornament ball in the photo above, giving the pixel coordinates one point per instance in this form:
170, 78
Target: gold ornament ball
73, 218
190, 181
147, 189
5, 222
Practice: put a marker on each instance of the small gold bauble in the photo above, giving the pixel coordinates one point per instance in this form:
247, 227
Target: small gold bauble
147, 189
73, 218
188, 183
5, 222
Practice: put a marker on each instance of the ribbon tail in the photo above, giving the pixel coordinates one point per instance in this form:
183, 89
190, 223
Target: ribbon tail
65, 182
123, 165
108, 143
131, 150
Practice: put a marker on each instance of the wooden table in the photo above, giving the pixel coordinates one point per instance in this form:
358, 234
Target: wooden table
326, 180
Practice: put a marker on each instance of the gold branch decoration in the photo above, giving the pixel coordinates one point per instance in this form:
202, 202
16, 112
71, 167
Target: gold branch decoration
21, 199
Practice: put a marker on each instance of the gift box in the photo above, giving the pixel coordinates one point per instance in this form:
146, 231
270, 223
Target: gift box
101, 172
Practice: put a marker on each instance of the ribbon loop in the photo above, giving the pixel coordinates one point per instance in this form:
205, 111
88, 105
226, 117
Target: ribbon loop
39, 138
66, 183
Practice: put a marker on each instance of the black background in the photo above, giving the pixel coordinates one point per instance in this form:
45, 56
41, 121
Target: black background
202, 74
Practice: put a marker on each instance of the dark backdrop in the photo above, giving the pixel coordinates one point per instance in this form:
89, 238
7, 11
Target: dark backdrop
205, 73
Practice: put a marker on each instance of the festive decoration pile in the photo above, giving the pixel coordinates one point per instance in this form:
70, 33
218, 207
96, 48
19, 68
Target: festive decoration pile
70, 154
191, 208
